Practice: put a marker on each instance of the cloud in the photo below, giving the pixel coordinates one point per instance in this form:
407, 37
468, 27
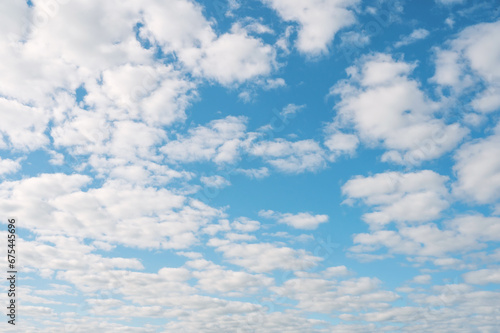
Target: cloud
387, 108
254, 173
318, 21
157, 94
116, 212
219, 142
291, 110
245, 225
290, 157
327, 296
469, 59
8, 166
416, 35
215, 181
299, 221
340, 143
217, 280
422, 279
22, 126
450, 2
264, 257
457, 236
232, 57
478, 170
412, 197
483, 276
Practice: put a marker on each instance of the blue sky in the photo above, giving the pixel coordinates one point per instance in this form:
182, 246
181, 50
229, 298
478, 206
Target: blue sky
252, 166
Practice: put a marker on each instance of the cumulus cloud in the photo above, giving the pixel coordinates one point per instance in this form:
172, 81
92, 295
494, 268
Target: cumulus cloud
471, 58
318, 21
215, 181
117, 212
264, 257
327, 296
290, 157
478, 170
181, 28
219, 142
412, 197
298, 221
387, 108
483, 276
8, 166
457, 236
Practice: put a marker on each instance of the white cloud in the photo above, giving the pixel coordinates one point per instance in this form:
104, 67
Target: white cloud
234, 57
215, 181
181, 28
483, 276
478, 170
117, 212
318, 20
422, 279
298, 221
340, 143
413, 197
254, 173
450, 2
8, 166
217, 280
387, 108
157, 95
291, 110
471, 58
245, 225
290, 157
219, 142
22, 126
264, 257
460, 235
416, 35
327, 296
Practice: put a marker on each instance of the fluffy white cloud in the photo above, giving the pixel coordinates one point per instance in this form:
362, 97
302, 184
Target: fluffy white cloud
478, 170
327, 296
469, 58
386, 107
298, 221
460, 235
483, 276
8, 166
319, 20
216, 280
154, 94
245, 225
117, 212
413, 197
233, 58
182, 29
340, 143
22, 126
290, 157
219, 141
254, 173
422, 279
264, 257
215, 181
450, 2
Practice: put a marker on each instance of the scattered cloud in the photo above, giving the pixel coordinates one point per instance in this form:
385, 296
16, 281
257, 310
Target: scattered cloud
298, 221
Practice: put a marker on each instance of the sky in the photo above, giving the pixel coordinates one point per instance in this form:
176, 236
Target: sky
251, 166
